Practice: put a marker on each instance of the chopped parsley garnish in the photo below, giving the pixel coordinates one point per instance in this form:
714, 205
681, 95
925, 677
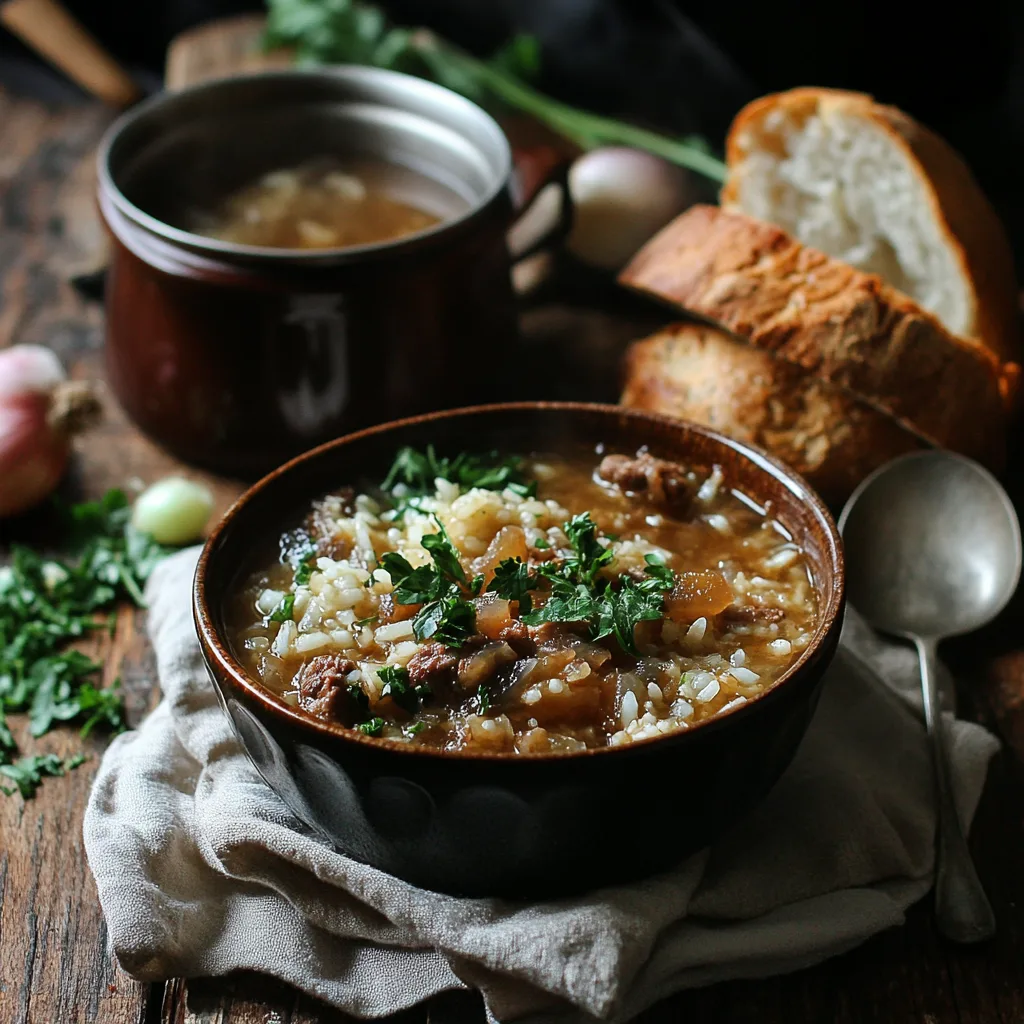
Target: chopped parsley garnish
417, 471
451, 620
397, 686
591, 556
305, 568
46, 603
579, 594
446, 615
371, 728
414, 729
513, 581
441, 549
541, 544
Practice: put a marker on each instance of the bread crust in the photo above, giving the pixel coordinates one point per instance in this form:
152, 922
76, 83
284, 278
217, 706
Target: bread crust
967, 221
838, 323
702, 374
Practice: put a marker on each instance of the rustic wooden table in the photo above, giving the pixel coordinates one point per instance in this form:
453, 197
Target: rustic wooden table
55, 967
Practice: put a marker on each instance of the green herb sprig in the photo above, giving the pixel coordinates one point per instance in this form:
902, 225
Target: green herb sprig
45, 604
397, 686
447, 616
578, 593
413, 475
345, 31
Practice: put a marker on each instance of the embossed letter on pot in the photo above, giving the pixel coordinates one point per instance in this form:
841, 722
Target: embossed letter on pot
299, 253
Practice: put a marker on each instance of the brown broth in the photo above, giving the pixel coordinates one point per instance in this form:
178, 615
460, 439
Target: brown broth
329, 204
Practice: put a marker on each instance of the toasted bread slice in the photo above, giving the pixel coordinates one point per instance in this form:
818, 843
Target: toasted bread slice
840, 324
703, 374
868, 185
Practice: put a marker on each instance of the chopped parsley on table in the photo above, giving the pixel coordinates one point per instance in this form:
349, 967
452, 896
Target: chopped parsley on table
47, 603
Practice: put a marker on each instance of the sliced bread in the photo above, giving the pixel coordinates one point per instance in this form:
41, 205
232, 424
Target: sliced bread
702, 374
838, 323
868, 185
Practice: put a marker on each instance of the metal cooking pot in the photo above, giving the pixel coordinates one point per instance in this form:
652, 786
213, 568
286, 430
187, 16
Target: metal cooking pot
236, 357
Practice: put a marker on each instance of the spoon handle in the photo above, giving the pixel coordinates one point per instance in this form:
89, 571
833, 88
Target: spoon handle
962, 910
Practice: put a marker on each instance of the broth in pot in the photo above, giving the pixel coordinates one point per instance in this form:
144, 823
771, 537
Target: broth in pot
329, 204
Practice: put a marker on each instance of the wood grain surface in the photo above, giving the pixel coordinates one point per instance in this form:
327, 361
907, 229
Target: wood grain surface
54, 963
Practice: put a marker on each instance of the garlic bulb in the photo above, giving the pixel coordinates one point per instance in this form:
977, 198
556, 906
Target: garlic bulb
40, 411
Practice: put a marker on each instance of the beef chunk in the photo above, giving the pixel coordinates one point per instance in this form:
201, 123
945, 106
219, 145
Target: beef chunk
322, 524
749, 613
322, 686
663, 482
431, 664
515, 630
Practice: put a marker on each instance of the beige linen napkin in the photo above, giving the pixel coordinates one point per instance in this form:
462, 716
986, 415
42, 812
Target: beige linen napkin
202, 870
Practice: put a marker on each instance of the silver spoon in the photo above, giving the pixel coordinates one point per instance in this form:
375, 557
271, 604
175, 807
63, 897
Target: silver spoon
933, 549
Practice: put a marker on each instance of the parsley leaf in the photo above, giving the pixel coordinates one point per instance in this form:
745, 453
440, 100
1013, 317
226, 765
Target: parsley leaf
444, 554
413, 475
569, 602
305, 568
657, 568
446, 616
397, 686
450, 620
514, 581
27, 773
371, 728
633, 602
591, 556
411, 586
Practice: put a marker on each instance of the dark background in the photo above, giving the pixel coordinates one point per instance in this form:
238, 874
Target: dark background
688, 66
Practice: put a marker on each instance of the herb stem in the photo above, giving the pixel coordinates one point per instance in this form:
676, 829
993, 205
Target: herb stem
587, 130
128, 582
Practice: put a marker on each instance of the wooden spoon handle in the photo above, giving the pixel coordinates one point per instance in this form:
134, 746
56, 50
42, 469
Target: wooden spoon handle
49, 29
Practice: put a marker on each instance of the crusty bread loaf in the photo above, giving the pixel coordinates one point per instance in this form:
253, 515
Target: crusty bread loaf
840, 324
700, 373
868, 185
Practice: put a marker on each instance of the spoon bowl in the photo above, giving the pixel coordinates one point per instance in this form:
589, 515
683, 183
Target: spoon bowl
934, 547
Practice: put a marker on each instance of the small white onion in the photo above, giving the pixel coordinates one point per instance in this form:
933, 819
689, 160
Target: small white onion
621, 197
173, 510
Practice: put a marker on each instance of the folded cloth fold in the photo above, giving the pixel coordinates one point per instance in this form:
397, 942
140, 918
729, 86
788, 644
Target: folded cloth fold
202, 870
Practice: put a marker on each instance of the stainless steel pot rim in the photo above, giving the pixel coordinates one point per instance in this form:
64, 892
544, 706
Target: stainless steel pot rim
347, 254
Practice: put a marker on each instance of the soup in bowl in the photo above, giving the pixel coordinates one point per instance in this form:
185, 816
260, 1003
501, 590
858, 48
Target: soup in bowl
461, 646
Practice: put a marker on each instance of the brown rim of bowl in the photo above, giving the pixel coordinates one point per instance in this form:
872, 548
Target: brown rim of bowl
217, 650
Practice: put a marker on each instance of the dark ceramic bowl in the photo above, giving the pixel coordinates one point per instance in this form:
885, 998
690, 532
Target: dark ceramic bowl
496, 824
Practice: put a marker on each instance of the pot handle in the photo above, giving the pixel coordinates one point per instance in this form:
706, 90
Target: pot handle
544, 217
